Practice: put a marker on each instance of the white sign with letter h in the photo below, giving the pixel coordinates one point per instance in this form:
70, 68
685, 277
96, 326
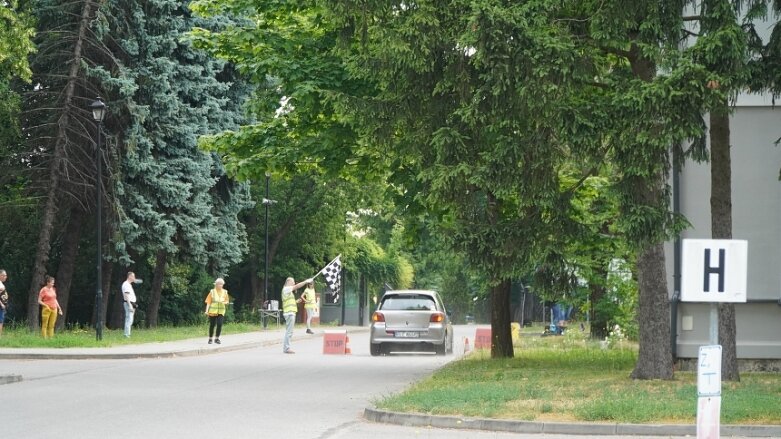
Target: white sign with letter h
714, 270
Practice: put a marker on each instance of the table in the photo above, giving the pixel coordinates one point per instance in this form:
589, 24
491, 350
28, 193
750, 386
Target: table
266, 314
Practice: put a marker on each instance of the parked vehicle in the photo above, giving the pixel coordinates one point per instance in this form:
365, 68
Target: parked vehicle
411, 320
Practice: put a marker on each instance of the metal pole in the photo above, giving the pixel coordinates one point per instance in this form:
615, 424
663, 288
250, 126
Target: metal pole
99, 226
265, 275
714, 323
342, 275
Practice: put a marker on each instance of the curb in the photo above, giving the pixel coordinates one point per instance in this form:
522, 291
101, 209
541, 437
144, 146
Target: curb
532, 427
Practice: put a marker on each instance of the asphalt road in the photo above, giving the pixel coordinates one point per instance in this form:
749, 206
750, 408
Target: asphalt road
258, 392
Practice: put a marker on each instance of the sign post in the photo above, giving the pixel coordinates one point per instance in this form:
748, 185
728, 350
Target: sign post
714, 271
709, 392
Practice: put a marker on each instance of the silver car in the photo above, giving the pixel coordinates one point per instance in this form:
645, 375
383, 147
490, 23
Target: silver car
411, 320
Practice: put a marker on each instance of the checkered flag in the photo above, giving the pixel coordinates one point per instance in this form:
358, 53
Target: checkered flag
332, 273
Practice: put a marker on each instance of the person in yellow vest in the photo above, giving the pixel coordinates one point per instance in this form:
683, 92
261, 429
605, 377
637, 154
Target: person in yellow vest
216, 304
289, 310
310, 305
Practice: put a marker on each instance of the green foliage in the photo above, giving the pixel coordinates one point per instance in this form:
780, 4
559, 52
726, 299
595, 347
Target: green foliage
169, 194
286, 50
16, 32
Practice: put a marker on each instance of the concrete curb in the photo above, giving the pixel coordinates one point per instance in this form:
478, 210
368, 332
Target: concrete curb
532, 427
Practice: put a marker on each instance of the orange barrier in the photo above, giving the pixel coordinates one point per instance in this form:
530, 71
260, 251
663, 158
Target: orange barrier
483, 338
335, 342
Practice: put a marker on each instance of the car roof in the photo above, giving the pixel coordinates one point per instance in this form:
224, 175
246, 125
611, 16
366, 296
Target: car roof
411, 292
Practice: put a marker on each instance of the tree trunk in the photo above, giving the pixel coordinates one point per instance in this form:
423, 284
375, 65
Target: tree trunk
108, 269
58, 156
156, 290
70, 249
116, 318
721, 228
597, 316
501, 337
655, 359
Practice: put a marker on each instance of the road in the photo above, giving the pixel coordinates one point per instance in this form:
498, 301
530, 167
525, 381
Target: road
251, 393
256, 392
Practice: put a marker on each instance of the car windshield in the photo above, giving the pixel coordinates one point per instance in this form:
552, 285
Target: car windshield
418, 302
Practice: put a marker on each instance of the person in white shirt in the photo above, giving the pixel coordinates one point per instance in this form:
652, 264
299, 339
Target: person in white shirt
129, 298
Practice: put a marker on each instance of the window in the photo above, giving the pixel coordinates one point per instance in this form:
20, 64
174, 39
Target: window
408, 303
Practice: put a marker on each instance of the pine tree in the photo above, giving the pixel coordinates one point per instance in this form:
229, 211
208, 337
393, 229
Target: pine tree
58, 126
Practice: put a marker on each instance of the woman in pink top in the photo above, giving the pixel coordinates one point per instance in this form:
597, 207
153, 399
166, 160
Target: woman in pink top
47, 298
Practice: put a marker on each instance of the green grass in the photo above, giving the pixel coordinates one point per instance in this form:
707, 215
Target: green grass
85, 338
565, 379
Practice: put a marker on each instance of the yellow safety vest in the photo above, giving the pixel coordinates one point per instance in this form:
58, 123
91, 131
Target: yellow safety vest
289, 303
218, 302
310, 299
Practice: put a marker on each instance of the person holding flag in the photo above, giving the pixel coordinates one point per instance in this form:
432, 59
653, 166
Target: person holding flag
289, 310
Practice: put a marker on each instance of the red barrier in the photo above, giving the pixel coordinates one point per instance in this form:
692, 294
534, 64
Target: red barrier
335, 342
483, 338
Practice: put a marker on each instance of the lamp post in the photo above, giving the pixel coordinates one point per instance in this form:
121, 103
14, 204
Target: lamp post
98, 113
266, 202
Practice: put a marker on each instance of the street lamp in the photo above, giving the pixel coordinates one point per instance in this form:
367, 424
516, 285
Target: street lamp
98, 113
266, 202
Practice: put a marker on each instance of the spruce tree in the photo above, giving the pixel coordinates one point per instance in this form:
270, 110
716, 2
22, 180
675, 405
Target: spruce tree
169, 205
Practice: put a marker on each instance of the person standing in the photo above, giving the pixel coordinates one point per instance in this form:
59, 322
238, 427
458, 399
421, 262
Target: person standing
310, 305
129, 301
50, 307
3, 298
289, 310
216, 304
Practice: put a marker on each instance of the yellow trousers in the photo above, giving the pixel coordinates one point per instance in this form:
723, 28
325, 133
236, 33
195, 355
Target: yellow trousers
48, 317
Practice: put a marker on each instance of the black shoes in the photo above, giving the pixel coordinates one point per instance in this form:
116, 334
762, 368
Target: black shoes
210, 341
309, 331
217, 341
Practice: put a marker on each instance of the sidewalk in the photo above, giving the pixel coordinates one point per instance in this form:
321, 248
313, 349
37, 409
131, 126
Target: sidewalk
179, 348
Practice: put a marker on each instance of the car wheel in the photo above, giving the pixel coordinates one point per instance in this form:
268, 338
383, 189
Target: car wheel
375, 349
450, 346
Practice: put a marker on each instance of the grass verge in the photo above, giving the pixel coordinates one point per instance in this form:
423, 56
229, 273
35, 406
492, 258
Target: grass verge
21, 337
561, 379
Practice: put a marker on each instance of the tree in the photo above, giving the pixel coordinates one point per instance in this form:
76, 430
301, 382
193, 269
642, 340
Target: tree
173, 201
58, 128
721, 46
15, 42
15, 45
648, 101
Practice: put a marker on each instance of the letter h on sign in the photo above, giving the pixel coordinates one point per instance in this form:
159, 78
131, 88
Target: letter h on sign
717, 270
699, 269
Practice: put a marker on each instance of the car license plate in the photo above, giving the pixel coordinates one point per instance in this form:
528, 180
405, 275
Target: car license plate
406, 334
